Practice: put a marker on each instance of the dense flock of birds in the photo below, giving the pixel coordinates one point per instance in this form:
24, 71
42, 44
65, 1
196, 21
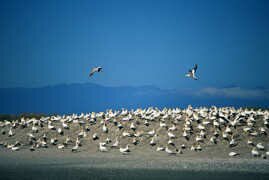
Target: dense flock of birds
173, 131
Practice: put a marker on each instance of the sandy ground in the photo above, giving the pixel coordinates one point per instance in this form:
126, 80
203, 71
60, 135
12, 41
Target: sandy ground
90, 146
141, 159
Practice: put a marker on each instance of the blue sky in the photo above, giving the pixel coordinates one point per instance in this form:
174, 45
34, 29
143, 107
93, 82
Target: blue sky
142, 42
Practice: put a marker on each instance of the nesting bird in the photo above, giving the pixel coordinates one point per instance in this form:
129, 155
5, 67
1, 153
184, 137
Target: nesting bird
189, 129
102, 147
232, 154
125, 150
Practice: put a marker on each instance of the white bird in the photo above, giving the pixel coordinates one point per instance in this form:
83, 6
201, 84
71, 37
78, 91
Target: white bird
127, 118
201, 127
31, 136
78, 142
233, 154
108, 140
228, 130
135, 141
206, 122
192, 72
82, 134
247, 129
199, 139
34, 129
263, 131
120, 126
102, 147
126, 134
65, 126
213, 139
173, 128
198, 147
15, 148
216, 124
250, 142
51, 127
179, 151
75, 148
60, 131
10, 132
60, 146
160, 148
169, 151
255, 133
125, 150
67, 140
138, 134
9, 146
95, 69
185, 134
153, 140
232, 143
255, 152
162, 124
132, 126
87, 128
44, 137
202, 134
116, 143
171, 135
151, 133
171, 142
53, 141
260, 146
104, 129
225, 135
95, 136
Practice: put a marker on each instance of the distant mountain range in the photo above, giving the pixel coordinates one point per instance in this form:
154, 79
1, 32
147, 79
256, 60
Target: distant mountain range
76, 98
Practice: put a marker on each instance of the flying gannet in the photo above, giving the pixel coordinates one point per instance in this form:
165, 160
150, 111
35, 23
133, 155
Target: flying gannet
192, 72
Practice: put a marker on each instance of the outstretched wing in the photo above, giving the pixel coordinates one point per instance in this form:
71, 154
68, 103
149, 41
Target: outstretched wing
93, 71
195, 67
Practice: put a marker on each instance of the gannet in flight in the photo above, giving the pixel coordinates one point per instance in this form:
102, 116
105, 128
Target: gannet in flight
95, 69
192, 72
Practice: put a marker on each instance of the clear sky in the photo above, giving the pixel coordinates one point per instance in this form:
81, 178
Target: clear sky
138, 42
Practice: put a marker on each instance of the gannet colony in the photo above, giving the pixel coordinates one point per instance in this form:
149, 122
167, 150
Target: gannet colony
171, 131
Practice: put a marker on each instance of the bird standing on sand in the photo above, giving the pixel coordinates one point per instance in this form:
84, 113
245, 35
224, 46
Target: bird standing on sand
125, 150
192, 72
94, 70
231, 154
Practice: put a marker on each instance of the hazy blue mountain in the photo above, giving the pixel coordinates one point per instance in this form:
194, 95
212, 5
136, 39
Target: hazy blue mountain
75, 98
